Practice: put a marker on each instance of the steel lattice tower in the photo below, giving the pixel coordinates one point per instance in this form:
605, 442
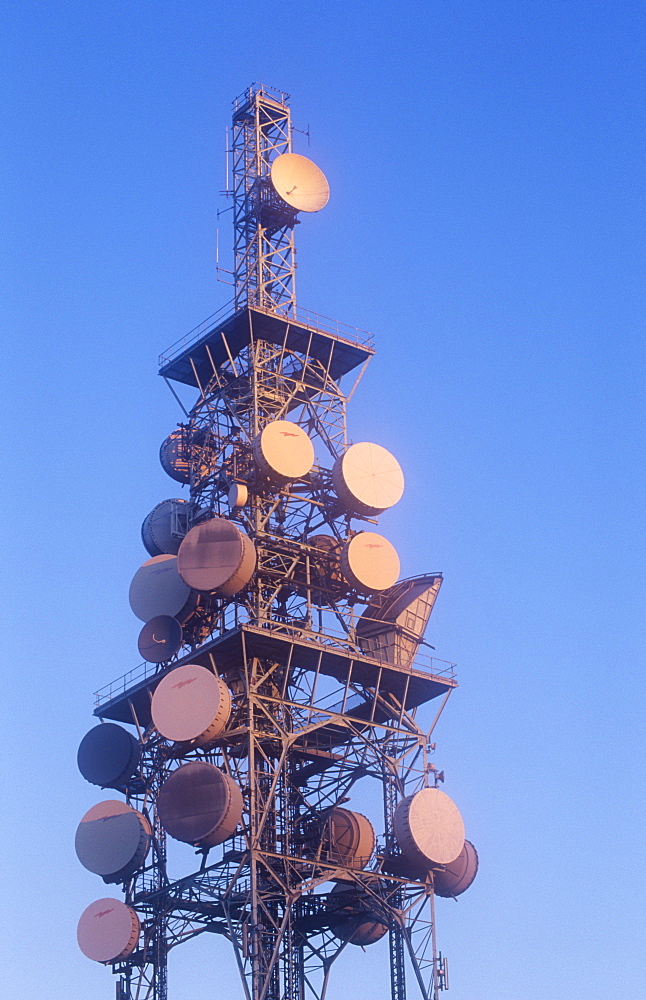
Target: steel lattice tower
324, 695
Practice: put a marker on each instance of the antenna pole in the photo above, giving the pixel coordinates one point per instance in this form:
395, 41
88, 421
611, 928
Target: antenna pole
319, 695
263, 225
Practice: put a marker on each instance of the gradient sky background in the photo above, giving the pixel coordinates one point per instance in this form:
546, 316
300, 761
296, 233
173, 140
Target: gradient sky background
483, 160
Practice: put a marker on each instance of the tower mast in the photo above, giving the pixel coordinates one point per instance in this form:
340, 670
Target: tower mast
284, 660
263, 224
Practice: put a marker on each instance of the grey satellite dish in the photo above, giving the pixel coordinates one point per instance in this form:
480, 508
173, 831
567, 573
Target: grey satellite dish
108, 755
429, 827
158, 589
198, 804
108, 931
217, 557
300, 182
112, 840
175, 455
160, 639
164, 528
457, 876
325, 565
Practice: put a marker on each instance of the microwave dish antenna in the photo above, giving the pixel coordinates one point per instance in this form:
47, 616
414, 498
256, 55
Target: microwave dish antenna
299, 182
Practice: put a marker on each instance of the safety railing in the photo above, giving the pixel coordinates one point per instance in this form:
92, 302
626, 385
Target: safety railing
304, 317
388, 654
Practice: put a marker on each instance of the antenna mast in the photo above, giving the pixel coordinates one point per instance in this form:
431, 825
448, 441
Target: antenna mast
263, 224
284, 658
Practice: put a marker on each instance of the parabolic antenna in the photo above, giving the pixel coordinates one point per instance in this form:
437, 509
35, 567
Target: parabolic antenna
191, 703
164, 528
217, 556
459, 874
183, 448
369, 562
351, 838
175, 455
108, 930
112, 840
300, 182
327, 566
238, 495
108, 755
283, 451
368, 479
429, 827
160, 638
158, 589
200, 805
358, 922
328, 543
395, 619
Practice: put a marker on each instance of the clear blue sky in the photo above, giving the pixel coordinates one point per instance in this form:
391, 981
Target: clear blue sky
484, 220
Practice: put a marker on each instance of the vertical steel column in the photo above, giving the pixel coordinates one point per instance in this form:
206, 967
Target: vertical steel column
395, 935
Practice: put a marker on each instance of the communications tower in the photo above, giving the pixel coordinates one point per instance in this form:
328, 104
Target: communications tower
284, 658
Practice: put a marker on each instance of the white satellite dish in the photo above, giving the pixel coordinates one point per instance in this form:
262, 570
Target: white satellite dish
283, 451
370, 563
300, 182
429, 827
368, 479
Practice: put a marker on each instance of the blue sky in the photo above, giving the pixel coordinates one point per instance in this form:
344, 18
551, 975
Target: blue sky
484, 164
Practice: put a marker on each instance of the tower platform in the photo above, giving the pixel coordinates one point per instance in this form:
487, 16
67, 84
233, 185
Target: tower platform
221, 338
411, 686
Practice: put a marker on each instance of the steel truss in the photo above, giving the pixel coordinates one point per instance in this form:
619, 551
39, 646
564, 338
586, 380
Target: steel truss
263, 224
315, 711
297, 744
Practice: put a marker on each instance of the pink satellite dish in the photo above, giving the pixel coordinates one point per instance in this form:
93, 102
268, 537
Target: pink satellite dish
108, 931
191, 704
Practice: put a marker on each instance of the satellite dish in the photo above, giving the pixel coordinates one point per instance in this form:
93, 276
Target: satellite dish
184, 447
457, 876
369, 562
164, 528
238, 495
216, 556
158, 589
160, 638
350, 838
429, 827
108, 755
328, 543
326, 567
200, 805
108, 931
175, 455
358, 921
191, 703
112, 840
283, 451
368, 479
300, 182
